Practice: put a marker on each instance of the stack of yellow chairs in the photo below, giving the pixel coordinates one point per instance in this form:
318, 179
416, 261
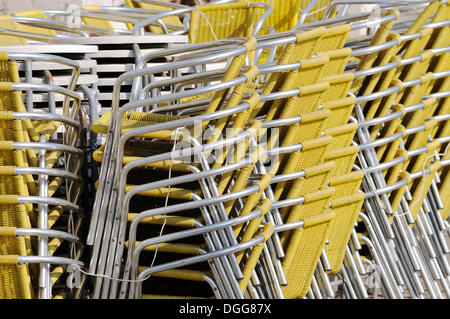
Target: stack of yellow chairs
39, 193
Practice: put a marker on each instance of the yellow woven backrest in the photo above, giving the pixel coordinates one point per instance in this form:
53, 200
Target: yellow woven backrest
304, 48
221, 21
306, 102
342, 135
347, 210
316, 178
378, 58
154, 29
344, 159
303, 253
313, 152
340, 111
444, 189
338, 61
339, 86
284, 16
346, 184
310, 72
36, 13
7, 22
308, 75
311, 126
334, 38
318, 11
315, 203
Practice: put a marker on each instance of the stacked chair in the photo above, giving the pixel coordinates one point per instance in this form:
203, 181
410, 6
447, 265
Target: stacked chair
245, 150
41, 185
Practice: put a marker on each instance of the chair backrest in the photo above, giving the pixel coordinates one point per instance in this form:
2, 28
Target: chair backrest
341, 110
284, 16
221, 21
303, 252
334, 38
344, 159
342, 135
338, 61
346, 184
347, 210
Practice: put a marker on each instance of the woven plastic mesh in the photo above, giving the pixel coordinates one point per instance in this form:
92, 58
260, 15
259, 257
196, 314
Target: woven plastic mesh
334, 38
339, 86
341, 111
313, 152
14, 278
311, 128
309, 73
344, 159
342, 135
346, 184
309, 102
226, 21
338, 61
284, 16
304, 250
347, 210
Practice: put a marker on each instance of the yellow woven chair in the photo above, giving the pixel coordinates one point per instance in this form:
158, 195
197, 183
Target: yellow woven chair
347, 209
383, 34
248, 263
138, 119
316, 178
303, 252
